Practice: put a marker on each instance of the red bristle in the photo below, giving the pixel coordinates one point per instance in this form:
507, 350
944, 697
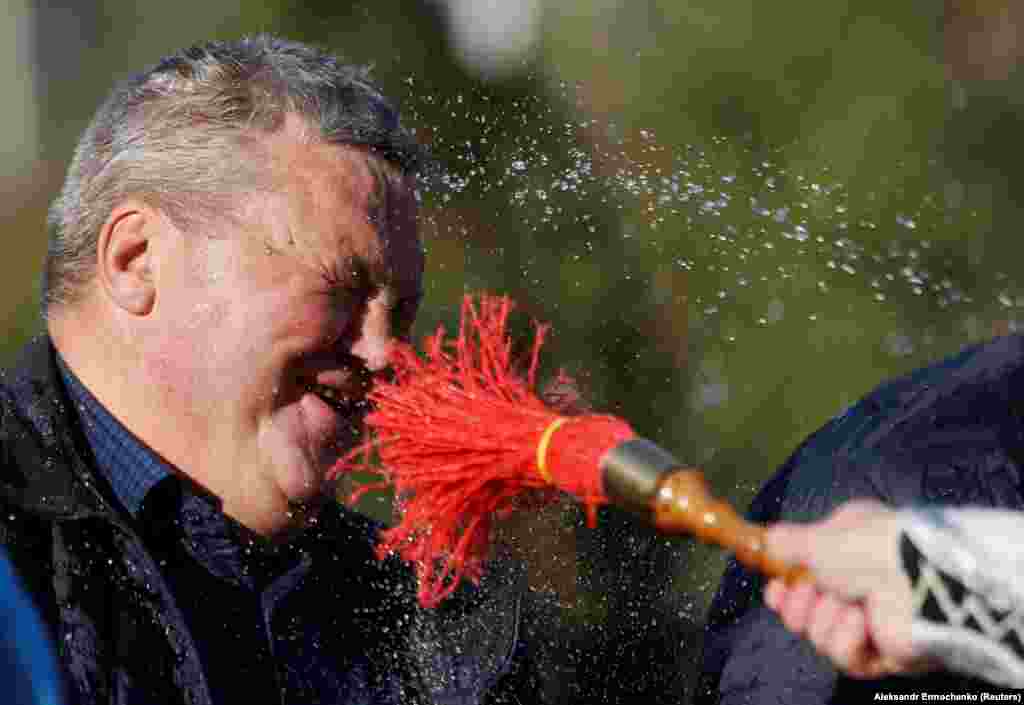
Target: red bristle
457, 434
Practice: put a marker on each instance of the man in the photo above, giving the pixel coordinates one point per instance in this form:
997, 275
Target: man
949, 434
232, 255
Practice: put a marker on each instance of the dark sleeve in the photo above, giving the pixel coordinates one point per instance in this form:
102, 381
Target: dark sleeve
749, 656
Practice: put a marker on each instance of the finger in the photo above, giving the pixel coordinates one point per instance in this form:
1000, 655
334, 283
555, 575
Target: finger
854, 511
823, 618
797, 607
789, 543
775, 593
890, 616
850, 646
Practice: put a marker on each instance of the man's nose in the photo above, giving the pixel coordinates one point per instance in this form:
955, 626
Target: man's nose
375, 338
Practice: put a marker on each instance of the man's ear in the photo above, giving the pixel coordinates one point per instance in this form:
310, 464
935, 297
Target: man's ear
124, 256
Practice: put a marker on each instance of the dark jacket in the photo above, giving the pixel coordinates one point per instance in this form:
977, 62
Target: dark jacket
121, 637
951, 433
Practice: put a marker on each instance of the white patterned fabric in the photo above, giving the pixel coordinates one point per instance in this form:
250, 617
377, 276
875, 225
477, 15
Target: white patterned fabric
966, 568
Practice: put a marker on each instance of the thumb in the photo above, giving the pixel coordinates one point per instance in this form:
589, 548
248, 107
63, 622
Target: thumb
789, 542
810, 545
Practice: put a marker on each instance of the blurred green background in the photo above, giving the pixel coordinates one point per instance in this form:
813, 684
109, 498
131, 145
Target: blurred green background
738, 216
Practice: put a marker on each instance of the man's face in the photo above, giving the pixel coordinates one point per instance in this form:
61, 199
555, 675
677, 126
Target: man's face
273, 328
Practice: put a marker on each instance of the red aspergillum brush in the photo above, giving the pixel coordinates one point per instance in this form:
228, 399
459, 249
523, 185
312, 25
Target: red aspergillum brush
464, 438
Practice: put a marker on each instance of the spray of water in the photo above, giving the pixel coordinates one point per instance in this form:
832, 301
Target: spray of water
732, 258
753, 238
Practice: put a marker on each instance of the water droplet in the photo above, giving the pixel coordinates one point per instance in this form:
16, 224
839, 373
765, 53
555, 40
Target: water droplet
906, 222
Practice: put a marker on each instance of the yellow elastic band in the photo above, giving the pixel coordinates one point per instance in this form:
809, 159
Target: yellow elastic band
542, 447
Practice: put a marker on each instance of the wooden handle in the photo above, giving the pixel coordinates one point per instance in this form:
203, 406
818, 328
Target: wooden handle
683, 504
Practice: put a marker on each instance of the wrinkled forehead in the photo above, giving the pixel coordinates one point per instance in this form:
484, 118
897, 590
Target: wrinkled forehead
343, 202
322, 176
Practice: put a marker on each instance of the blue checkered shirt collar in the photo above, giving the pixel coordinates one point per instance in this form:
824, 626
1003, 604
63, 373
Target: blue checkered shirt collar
128, 465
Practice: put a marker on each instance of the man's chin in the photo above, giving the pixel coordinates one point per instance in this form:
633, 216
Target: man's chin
299, 478
303, 491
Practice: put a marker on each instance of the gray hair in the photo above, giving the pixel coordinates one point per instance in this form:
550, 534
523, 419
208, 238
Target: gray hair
181, 135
